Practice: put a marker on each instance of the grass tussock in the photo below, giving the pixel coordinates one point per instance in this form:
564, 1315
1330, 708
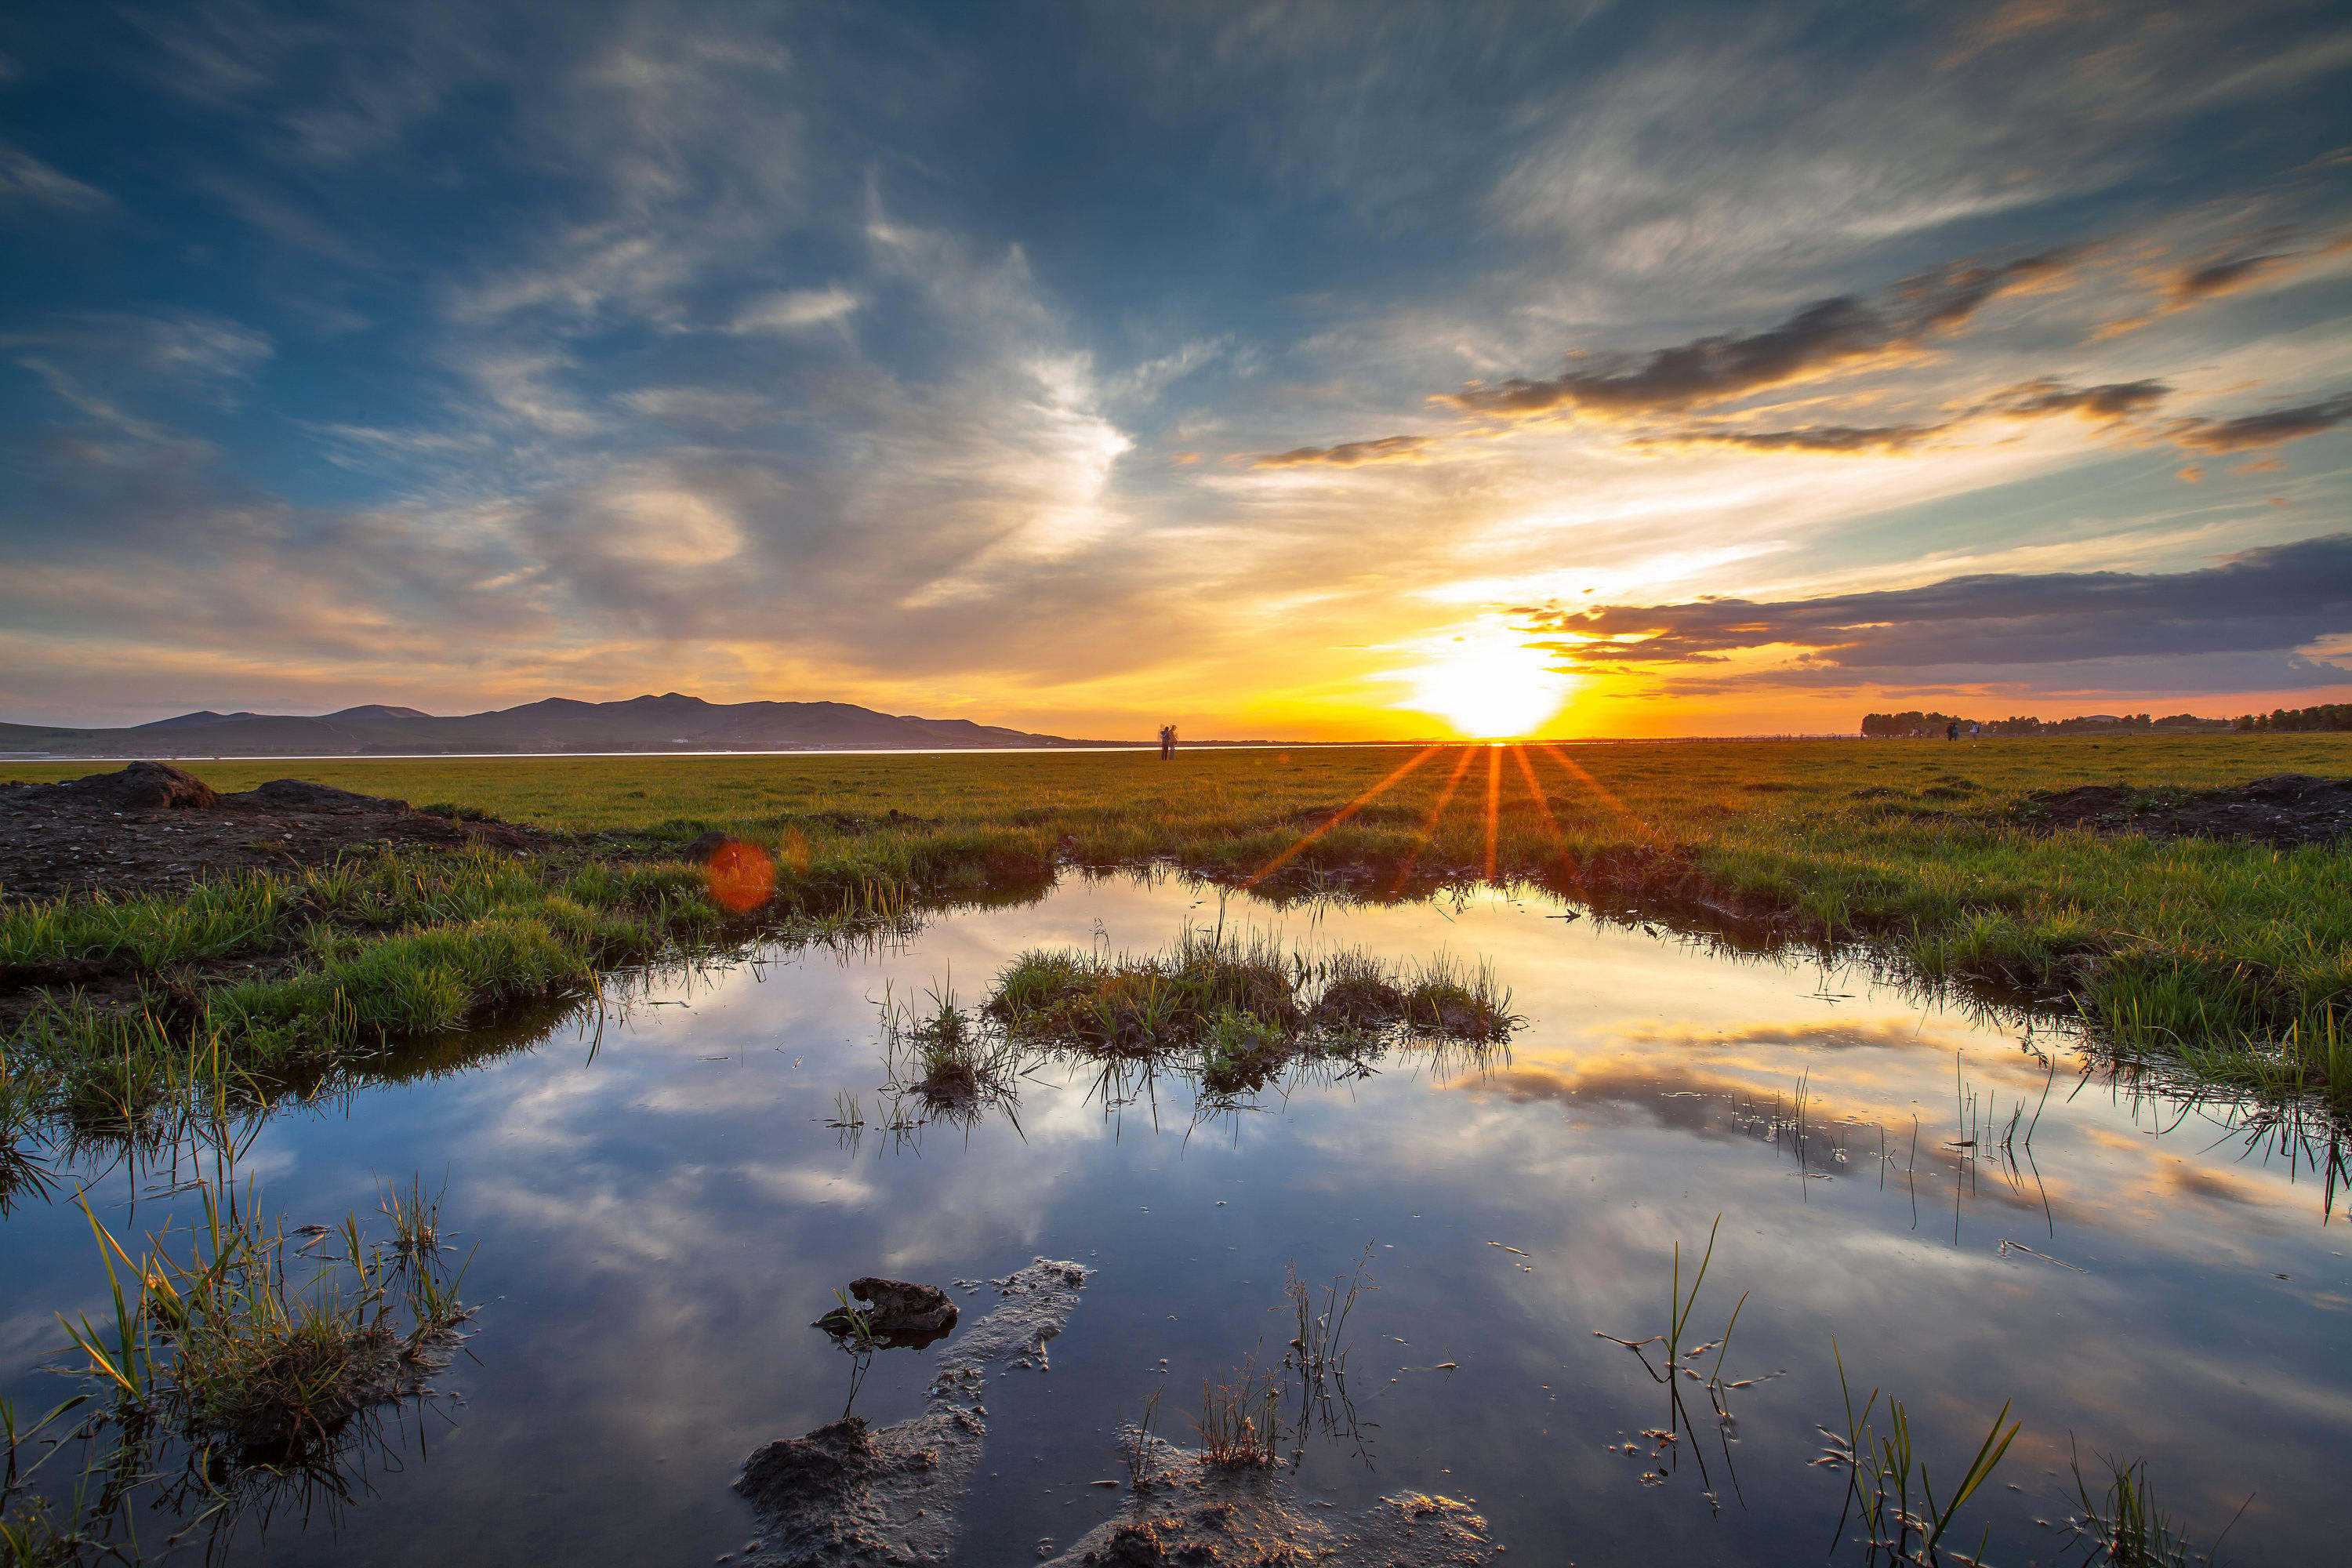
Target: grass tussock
239, 1364
950, 1059
1243, 1003
213, 1341
1239, 1423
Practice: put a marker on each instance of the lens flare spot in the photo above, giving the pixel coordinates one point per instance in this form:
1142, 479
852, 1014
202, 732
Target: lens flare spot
740, 875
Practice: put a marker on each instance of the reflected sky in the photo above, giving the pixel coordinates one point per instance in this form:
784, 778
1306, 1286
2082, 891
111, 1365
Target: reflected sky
661, 1211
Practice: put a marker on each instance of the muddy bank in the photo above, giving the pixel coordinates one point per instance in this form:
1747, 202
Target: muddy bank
152, 829
2284, 811
850, 1493
1192, 1511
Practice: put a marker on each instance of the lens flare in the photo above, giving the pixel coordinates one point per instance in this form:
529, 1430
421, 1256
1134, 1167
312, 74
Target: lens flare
741, 877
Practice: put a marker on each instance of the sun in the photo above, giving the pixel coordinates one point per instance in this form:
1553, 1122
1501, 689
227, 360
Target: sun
1488, 685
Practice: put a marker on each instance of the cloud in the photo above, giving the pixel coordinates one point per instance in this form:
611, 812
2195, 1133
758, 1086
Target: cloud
1350, 454
1826, 338
185, 346
521, 383
1843, 438
2191, 284
2272, 427
704, 406
25, 178
2107, 403
2271, 600
793, 310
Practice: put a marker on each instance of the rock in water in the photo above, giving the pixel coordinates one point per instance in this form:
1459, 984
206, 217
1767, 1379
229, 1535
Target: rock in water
899, 1314
848, 1493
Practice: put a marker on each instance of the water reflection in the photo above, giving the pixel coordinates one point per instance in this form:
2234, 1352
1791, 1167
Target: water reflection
666, 1196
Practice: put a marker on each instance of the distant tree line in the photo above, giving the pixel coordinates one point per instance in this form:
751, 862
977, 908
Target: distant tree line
2326, 716
1916, 722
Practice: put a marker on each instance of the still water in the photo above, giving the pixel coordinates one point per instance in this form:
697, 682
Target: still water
660, 1210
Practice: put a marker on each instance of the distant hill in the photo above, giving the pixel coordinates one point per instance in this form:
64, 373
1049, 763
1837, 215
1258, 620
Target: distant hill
670, 722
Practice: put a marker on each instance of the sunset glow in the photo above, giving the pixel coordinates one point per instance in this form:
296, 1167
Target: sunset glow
1489, 687
1585, 377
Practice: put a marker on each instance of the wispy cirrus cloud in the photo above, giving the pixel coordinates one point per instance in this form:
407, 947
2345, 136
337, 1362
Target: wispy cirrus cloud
1350, 454
26, 180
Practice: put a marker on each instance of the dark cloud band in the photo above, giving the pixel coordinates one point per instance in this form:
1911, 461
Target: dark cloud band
2271, 600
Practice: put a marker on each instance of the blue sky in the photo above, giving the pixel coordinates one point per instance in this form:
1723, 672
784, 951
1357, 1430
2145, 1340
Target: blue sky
1277, 369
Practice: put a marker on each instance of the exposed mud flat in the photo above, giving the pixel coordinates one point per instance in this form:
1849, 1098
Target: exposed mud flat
153, 828
1196, 1513
2284, 811
850, 1493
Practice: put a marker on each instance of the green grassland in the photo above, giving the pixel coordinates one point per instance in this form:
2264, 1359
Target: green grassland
2234, 959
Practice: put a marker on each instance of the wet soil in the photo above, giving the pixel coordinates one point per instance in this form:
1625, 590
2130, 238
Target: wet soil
1195, 1512
849, 1493
2284, 811
152, 829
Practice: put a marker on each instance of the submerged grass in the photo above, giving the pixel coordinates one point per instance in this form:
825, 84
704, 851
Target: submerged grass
2234, 959
237, 1363
2124, 1523
1889, 1489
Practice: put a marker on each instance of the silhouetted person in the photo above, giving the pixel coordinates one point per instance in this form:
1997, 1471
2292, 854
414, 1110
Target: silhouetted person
1952, 731
1167, 742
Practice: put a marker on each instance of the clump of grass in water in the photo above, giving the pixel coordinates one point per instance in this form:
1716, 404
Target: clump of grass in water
2125, 1524
1241, 1000
27, 1091
957, 1063
1239, 1052
215, 1347
1136, 1449
1880, 1470
1237, 1422
1458, 1003
1358, 995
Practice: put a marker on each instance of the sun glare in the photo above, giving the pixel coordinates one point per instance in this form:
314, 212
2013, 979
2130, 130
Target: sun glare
1487, 686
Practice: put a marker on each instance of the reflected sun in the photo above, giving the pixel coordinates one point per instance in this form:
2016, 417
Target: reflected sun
1488, 686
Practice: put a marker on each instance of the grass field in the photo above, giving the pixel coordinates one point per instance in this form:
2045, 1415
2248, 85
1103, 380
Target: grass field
2233, 958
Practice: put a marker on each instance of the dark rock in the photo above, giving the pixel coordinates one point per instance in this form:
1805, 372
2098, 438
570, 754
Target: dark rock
707, 845
899, 1314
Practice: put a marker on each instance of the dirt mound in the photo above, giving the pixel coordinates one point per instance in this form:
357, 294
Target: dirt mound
141, 786
2286, 811
151, 827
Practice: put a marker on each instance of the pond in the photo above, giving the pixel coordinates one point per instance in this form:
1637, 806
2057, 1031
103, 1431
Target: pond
657, 1208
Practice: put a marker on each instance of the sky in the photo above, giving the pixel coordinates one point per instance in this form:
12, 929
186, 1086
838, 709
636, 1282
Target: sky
1308, 371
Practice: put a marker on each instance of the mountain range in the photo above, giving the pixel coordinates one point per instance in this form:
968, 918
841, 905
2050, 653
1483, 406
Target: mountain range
670, 722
